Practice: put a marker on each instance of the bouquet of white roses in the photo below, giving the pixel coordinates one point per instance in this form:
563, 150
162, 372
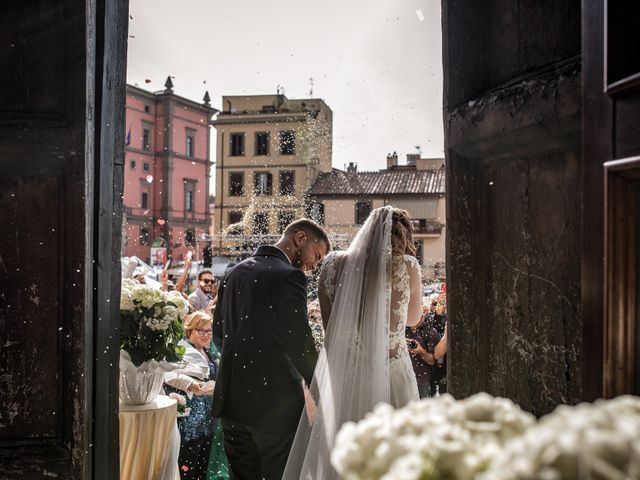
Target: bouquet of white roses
591, 441
488, 438
151, 323
430, 439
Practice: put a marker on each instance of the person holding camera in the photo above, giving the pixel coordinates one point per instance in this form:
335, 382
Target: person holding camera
417, 340
438, 343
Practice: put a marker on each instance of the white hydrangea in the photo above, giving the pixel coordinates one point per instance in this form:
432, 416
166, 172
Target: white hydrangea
432, 438
128, 284
126, 303
170, 312
181, 303
158, 324
146, 296
591, 440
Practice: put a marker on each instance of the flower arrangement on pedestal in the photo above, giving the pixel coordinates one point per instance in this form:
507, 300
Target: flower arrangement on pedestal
150, 329
151, 323
488, 438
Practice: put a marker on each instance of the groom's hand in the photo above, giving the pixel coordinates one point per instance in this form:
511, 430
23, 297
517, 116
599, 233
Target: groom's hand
309, 403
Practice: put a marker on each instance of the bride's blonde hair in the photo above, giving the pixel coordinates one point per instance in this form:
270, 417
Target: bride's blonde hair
402, 233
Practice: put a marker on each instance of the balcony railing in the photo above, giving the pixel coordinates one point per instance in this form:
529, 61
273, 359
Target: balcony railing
426, 227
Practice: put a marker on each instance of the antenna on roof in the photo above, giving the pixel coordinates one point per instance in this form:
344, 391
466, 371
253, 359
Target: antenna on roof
311, 87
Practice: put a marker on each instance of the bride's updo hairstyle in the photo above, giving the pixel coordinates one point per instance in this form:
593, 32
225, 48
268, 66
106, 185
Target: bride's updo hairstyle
402, 233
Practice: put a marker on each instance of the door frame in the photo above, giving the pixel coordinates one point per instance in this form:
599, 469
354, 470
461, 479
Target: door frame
621, 179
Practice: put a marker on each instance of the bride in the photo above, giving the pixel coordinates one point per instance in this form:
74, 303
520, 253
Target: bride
368, 294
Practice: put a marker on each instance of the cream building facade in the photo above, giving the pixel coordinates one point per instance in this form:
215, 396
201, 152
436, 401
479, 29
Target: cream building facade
270, 150
345, 199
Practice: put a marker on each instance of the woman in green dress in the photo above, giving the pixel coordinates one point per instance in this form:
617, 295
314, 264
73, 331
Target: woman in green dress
201, 448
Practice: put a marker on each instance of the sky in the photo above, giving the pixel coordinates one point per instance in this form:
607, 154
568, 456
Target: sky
377, 64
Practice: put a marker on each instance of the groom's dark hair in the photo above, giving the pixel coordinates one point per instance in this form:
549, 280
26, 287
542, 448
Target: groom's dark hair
310, 227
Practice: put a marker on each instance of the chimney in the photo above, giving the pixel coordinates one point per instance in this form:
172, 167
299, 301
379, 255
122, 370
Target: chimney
352, 168
392, 160
412, 158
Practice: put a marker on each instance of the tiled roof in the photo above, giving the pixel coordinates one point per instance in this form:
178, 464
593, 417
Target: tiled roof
400, 181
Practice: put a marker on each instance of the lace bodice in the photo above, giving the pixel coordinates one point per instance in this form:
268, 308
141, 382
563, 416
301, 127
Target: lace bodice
405, 296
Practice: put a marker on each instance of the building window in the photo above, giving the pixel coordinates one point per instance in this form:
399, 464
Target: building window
262, 143
288, 142
133, 164
235, 217
144, 200
189, 237
284, 219
147, 109
287, 183
188, 201
236, 184
189, 196
189, 149
262, 183
363, 209
146, 139
144, 236
260, 224
145, 166
237, 144
315, 211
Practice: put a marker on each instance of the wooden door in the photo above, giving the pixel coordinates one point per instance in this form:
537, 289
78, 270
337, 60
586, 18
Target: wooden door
611, 175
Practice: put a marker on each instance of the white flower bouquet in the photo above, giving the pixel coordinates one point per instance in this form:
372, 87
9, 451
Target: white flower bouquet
430, 439
488, 438
151, 323
598, 440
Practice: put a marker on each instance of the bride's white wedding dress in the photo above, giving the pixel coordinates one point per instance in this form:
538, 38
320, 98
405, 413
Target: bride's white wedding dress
405, 272
367, 297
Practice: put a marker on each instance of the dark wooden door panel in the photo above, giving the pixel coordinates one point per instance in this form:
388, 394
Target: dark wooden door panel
30, 309
34, 63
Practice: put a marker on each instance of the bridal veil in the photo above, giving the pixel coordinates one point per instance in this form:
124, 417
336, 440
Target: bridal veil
352, 374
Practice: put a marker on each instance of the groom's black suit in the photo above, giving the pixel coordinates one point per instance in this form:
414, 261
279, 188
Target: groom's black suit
267, 351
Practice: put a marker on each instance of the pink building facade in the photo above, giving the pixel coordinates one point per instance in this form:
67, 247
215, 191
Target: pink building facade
166, 174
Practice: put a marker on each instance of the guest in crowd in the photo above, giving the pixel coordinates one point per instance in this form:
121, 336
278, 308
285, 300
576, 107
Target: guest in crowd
438, 344
421, 359
204, 297
202, 446
168, 285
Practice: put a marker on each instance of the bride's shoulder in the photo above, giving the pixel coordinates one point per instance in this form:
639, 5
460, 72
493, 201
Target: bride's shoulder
411, 261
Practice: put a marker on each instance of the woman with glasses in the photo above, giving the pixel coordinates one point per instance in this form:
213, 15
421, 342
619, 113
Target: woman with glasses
202, 447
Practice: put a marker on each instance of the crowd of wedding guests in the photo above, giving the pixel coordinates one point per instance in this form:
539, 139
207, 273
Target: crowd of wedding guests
202, 454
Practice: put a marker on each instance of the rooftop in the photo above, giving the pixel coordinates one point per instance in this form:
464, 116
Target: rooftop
394, 181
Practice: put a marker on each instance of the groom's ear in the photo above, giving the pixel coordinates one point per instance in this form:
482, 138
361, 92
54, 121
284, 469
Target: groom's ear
299, 237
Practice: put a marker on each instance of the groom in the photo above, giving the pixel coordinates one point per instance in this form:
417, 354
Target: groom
268, 355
